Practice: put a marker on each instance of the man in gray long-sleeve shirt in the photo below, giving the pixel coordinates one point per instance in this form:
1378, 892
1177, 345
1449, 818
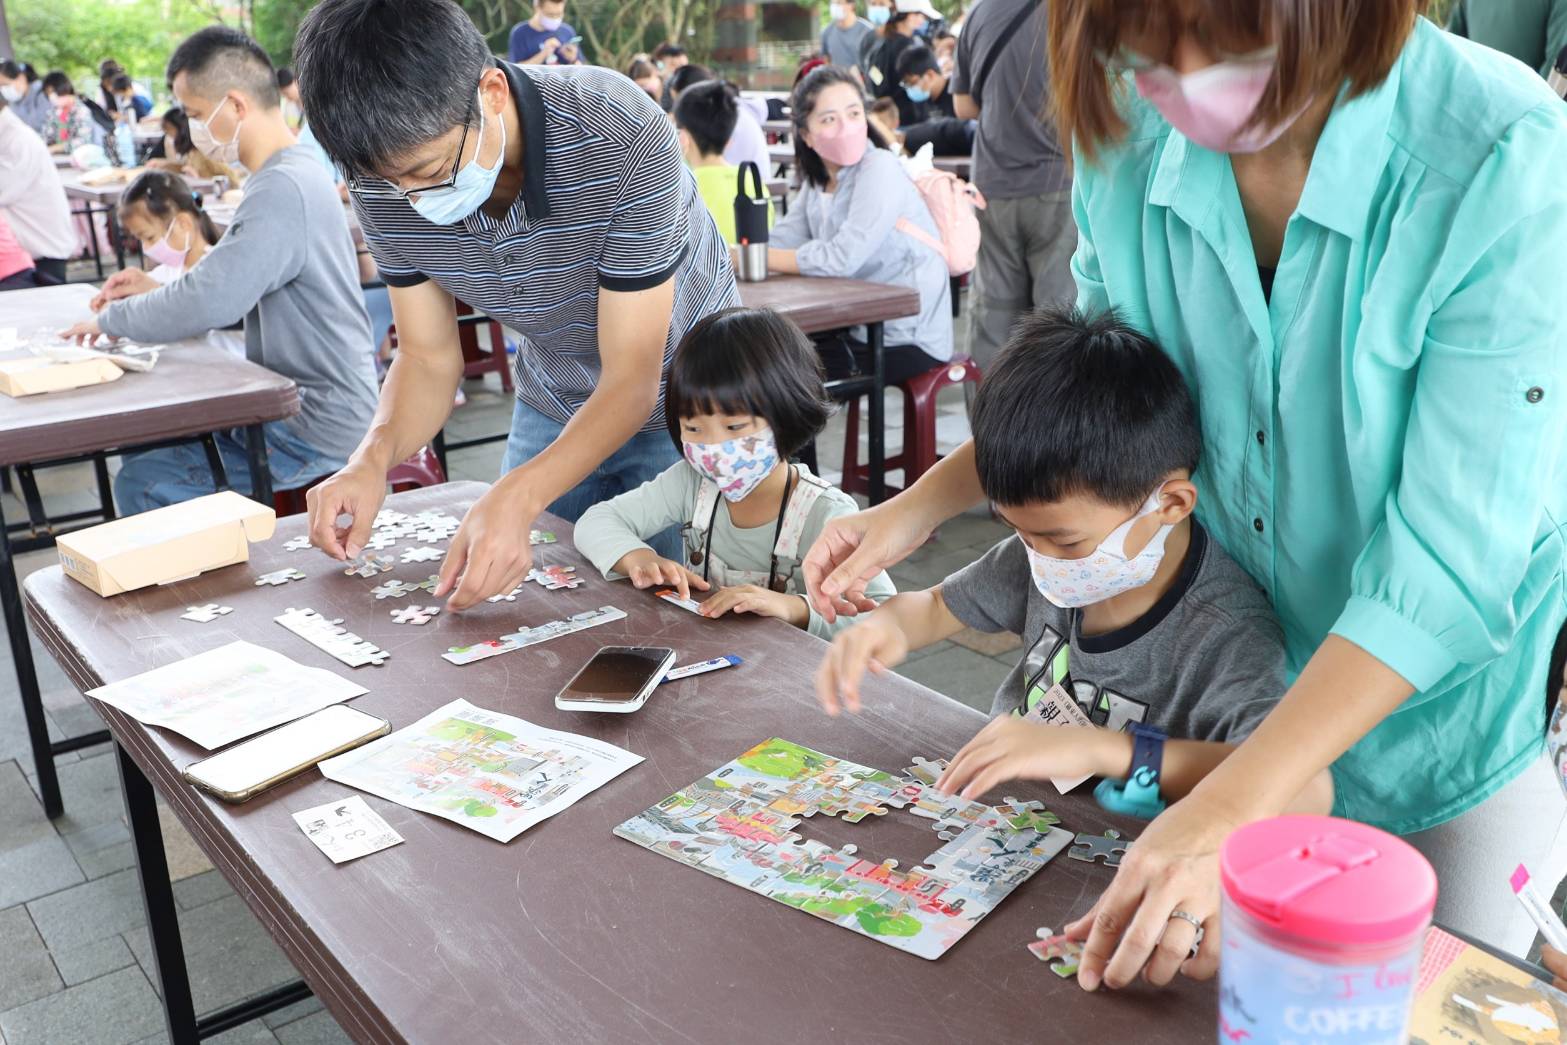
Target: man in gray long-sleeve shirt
286, 266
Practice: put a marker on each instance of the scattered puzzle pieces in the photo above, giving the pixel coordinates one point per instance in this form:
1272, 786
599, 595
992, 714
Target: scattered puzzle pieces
509, 596
296, 544
380, 541
1063, 955
394, 589
421, 554
389, 517
415, 614
277, 577
368, 565
206, 614
1107, 848
555, 577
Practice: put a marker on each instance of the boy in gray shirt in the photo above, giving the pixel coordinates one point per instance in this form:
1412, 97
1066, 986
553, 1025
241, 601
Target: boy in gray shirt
1137, 628
285, 266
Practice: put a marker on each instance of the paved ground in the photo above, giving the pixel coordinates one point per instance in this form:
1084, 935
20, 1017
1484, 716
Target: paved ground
75, 967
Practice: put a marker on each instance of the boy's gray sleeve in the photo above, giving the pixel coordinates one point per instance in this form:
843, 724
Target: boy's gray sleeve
991, 594
1235, 673
261, 251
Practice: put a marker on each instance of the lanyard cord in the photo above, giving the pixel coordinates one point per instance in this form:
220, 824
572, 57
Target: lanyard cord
772, 566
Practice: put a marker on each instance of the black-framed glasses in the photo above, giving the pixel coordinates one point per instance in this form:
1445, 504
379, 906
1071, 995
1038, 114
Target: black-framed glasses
380, 188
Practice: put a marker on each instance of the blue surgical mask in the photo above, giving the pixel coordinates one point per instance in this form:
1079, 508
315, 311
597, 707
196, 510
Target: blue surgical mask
473, 186
878, 15
916, 93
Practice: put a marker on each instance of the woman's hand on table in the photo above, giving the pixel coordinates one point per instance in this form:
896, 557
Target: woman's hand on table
356, 491
83, 333
123, 284
852, 549
1556, 964
1173, 867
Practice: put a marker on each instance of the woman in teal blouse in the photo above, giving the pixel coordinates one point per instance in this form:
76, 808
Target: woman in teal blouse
1348, 230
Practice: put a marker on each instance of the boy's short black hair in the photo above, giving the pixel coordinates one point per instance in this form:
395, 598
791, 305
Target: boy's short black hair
121, 82
916, 61
57, 82
749, 361
1081, 403
667, 50
708, 112
688, 76
219, 59
285, 77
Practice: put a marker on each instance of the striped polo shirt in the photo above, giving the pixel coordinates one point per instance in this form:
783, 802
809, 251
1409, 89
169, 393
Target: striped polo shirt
606, 201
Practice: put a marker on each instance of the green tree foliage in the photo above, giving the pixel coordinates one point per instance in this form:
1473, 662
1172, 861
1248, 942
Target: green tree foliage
275, 23
76, 36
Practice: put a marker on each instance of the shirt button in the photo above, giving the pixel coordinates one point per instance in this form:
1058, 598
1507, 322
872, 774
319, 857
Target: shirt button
1261, 438
1256, 524
1535, 394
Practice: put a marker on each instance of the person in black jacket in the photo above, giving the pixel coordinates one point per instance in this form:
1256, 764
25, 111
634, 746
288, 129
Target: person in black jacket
879, 61
922, 82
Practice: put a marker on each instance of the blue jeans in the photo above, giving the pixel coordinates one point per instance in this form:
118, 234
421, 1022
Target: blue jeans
643, 456
156, 478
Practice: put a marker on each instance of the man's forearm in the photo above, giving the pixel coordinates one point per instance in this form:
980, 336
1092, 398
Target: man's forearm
950, 487
416, 400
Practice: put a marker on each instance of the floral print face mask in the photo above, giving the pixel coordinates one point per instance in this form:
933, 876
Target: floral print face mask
736, 465
1105, 572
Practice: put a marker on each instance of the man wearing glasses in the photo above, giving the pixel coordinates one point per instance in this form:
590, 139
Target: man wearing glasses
286, 266
554, 200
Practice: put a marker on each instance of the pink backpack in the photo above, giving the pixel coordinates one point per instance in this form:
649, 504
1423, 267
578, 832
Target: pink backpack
952, 202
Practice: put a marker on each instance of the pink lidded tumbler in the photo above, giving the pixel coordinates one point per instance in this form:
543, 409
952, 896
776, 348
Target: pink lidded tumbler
1323, 922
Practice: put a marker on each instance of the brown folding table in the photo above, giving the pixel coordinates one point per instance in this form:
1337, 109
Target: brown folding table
194, 391
821, 303
569, 933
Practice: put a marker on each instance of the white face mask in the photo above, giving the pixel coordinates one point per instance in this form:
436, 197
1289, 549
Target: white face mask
1106, 571
10, 93
223, 152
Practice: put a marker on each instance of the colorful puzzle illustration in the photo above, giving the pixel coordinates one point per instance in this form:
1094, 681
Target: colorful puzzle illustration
555, 577
1063, 955
277, 577
205, 614
532, 636
738, 824
1107, 848
540, 537
368, 565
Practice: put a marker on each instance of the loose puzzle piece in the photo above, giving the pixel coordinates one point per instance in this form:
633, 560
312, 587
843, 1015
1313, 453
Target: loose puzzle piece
510, 596
532, 636
540, 537
415, 614
368, 565
206, 614
555, 577
330, 637
296, 544
1063, 955
393, 589
380, 541
1107, 848
926, 771
739, 824
389, 517
277, 577
421, 554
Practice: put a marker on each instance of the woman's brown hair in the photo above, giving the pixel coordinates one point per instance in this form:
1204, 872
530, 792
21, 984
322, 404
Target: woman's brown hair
1321, 46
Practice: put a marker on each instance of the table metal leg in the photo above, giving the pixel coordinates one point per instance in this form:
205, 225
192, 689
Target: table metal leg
116, 236
163, 928
260, 474
100, 464
27, 679
876, 415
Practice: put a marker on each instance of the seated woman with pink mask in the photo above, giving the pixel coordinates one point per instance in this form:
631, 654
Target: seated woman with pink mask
859, 216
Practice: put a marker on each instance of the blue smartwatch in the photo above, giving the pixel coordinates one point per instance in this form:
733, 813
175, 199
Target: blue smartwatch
1138, 794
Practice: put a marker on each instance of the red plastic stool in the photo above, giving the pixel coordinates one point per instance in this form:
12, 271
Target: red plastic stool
919, 426
420, 470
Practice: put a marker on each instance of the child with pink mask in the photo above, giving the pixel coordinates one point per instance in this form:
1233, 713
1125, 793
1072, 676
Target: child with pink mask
744, 394
859, 216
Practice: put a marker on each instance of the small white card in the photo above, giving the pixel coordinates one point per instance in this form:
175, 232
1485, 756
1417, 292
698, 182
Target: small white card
672, 596
347, 829
1057, 708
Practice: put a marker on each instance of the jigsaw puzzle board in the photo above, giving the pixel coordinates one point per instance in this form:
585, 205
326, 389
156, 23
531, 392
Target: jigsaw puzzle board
739, 824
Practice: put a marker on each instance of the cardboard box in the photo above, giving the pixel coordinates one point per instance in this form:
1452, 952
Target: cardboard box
30, 375
165, 544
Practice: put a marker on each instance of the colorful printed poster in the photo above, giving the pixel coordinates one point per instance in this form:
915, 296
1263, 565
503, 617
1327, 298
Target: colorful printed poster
739, 824
493, 773
226, 694
1467, 996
